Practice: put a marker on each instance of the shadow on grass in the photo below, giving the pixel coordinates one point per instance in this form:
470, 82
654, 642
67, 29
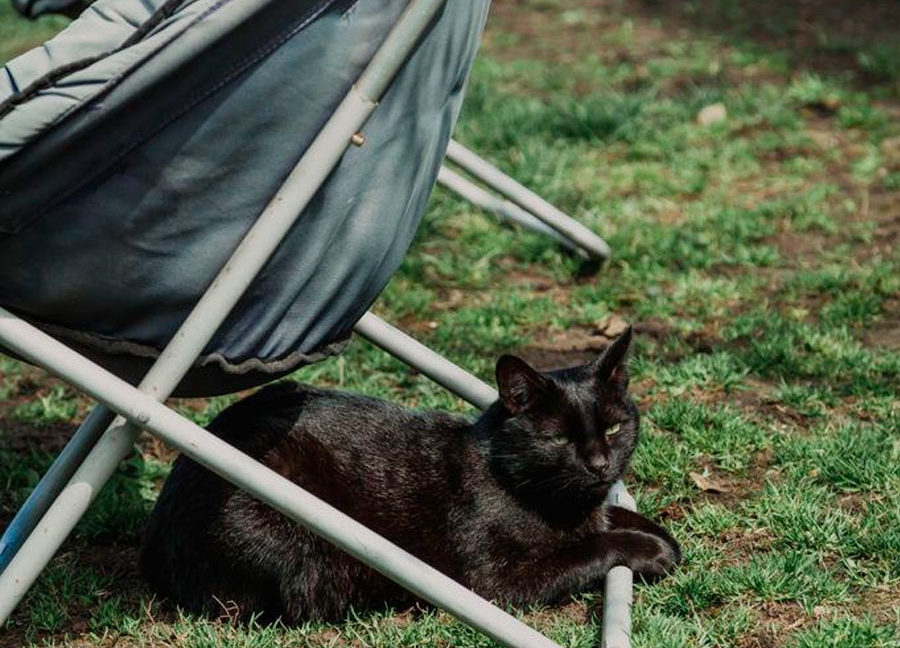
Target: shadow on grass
94, 578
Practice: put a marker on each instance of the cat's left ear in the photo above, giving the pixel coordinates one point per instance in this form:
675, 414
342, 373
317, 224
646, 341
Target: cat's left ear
610, 366
519, 385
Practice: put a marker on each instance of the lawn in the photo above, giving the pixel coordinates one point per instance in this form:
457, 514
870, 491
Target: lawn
756, 256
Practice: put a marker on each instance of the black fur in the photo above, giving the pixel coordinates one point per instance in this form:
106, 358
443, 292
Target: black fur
510, 506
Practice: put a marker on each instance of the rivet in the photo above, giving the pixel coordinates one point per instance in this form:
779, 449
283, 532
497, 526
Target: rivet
358, 139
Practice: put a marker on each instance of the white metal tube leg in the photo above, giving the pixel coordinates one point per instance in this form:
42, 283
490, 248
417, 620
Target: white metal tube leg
143, 410
502, 208
580, 235
618, 592
226, 289
53, 481
432, 364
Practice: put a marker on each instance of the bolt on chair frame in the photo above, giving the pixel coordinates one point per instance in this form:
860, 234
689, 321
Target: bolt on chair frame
108, 434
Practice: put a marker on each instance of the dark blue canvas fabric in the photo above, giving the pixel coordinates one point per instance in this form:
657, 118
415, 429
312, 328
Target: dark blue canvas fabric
121, 199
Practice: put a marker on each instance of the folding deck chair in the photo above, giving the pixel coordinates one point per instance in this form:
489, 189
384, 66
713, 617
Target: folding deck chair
200, 196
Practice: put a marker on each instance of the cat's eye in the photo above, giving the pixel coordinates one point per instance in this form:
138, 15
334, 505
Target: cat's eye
613, 430
560, 440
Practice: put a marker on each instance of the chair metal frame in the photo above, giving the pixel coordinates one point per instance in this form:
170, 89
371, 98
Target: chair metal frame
108, 434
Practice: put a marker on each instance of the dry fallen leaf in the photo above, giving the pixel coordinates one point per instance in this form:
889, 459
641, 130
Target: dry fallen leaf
707, 485
612, 327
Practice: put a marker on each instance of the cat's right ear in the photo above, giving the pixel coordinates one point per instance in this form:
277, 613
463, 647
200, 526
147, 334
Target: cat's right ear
610, 366
519, 384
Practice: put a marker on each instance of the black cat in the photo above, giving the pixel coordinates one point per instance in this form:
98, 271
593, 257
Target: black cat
510, 505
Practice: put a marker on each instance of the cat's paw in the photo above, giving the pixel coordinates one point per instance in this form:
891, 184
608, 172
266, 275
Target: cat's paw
662, 561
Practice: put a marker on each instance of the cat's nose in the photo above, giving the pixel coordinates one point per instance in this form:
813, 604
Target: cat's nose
597, 464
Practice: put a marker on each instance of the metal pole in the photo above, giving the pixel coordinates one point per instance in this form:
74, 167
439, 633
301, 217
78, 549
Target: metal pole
502, 208
580, 235
419, 356
619, 586
188, 342
53, 481
142, 410
370, 326
226, 289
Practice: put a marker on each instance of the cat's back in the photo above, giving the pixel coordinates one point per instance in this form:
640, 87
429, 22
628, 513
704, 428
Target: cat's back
292, 412
349, 448
384, 465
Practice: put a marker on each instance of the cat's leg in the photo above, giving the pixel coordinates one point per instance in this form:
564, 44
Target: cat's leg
296, 574
649, 555
576, 566
325, 582
620, 519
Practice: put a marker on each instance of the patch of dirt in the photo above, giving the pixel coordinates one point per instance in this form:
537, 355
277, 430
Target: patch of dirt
759, 639
754, 399
653, 327
536, 281
853, 503
573, 346
799, 246
886, 333
739, 544
579, 345
23, 437
548, 359
29, 385
879, 602
785, 615
704, 340
776, 619
736, 490
881, 208
529, 22
805, 30
543, 619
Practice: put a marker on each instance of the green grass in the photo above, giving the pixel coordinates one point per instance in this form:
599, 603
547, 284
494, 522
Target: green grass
757, 258
17, 34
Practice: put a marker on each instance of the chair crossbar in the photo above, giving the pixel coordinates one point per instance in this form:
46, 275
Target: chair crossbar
104, 439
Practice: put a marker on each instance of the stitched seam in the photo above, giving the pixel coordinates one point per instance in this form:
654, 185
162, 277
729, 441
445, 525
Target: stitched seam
115, 80
236, 71
61, 72
298, 25
111, 347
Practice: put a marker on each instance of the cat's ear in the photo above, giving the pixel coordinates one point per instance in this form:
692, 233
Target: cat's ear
610, 366
519, 384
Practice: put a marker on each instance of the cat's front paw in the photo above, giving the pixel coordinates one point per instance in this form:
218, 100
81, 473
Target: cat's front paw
662, 561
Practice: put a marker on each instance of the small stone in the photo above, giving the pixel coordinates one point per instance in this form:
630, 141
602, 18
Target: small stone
712, 114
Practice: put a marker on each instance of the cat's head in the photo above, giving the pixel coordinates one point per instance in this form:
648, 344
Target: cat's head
564, 436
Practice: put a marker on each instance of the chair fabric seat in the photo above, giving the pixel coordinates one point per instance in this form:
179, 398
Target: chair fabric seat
139, 145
